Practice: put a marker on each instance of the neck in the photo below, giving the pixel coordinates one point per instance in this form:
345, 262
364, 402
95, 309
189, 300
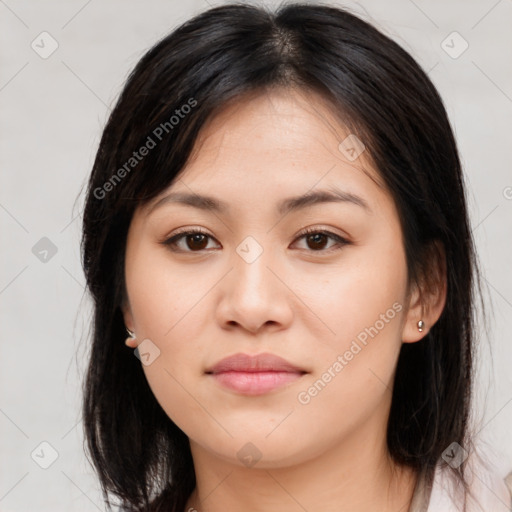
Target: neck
352, 476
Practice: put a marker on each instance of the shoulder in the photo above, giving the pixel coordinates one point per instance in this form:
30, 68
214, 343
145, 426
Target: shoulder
489, 490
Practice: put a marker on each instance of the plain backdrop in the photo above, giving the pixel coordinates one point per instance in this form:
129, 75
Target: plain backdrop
53, 107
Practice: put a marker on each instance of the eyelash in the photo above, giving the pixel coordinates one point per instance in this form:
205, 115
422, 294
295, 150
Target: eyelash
171, 242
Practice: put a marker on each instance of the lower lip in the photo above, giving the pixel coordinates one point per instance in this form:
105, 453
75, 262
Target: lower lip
255, 383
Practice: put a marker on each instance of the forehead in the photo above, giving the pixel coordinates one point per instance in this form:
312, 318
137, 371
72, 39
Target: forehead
275, 143
288, 122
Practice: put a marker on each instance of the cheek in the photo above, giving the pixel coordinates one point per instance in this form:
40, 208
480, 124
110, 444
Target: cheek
363, 305
158, 296
166, 302
356, 365
365, 292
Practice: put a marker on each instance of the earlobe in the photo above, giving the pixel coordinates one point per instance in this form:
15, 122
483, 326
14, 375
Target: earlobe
131, 340
427, 305
415, 325
422, 316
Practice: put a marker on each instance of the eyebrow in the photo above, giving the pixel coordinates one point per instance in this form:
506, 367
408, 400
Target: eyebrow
286, 206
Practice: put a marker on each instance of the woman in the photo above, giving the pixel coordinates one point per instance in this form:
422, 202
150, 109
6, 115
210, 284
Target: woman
276, 215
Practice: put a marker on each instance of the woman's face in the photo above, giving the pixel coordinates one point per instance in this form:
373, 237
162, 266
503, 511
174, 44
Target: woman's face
335, 309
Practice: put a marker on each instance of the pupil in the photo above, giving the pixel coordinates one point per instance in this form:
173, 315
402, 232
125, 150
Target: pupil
315, 238
196, 238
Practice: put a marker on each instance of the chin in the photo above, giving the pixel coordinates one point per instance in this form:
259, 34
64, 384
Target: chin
252, 450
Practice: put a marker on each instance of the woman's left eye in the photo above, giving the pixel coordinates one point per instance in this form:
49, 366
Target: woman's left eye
318, 237
196, 240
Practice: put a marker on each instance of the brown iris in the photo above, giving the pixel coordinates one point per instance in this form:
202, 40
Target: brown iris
317, 239
198, 241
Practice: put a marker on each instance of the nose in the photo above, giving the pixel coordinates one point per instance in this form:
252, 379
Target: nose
254, 295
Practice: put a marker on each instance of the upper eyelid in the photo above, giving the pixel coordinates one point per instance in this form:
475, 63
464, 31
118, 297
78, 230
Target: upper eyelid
302, 232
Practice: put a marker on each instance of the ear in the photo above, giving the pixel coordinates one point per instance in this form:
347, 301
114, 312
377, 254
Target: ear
129, 323
427, 297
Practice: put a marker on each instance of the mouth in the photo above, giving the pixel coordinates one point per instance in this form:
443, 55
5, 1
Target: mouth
254, 375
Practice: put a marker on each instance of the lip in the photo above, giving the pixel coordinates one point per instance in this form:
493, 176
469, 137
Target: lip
259, 363
254, 375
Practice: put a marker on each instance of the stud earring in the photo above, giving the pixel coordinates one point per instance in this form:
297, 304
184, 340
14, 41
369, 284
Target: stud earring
421, 324
130, 340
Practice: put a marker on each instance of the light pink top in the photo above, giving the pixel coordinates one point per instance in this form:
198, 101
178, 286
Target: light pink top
493, 492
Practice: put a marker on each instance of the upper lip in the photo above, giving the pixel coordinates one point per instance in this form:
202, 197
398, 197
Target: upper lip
258, 363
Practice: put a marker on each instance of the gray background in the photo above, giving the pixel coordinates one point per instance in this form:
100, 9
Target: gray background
53, 110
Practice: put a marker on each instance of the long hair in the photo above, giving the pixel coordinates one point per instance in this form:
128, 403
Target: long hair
381, 94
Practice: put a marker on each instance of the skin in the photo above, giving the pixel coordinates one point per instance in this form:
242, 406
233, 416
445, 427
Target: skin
305, 301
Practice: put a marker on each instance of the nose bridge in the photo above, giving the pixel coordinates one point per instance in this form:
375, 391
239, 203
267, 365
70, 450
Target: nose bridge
250, 266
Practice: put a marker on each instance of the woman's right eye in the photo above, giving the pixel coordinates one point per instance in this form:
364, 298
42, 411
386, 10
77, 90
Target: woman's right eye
195, 240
